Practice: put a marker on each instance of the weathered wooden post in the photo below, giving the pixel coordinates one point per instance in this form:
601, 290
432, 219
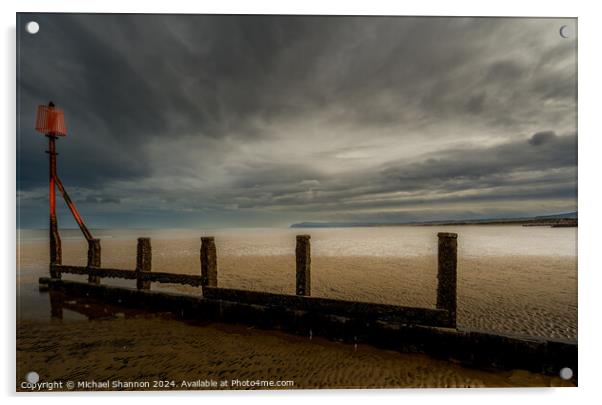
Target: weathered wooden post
93, 259
447, 273
303, 259
143, 262
57, 300
208, 261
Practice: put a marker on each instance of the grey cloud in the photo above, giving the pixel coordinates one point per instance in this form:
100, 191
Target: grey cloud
96, 199
260, 114
505, 70
515, 170
476, 104
542, 137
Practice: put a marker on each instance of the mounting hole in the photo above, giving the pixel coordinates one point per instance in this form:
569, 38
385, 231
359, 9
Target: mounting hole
32, 377
566, 373
32, 27
566, 31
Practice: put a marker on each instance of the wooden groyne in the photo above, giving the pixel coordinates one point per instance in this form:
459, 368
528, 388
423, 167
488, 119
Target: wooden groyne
406, 329
444, 315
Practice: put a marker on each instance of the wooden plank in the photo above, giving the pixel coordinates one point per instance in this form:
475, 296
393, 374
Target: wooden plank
162, 277
98, 272
368, 312
158, 277
62, 268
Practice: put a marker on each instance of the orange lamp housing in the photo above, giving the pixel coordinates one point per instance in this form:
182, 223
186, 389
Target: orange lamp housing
50, 121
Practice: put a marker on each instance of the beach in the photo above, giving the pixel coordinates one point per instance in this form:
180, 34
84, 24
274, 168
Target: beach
152, 348
504, 287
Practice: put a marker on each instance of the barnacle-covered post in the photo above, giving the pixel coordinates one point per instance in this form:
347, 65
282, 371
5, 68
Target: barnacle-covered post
303, 261
208, 261
93, 259
447, 273
144, 258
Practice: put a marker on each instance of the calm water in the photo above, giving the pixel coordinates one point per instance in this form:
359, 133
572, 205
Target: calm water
403, 241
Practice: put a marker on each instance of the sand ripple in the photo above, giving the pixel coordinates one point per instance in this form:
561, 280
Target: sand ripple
151, 348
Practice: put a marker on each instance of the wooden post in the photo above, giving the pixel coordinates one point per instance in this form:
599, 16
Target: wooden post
57, 299
93, 259
208, 261
143, 262
447, 273
303, 259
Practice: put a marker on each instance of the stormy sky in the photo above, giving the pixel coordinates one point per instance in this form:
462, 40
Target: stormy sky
209, 121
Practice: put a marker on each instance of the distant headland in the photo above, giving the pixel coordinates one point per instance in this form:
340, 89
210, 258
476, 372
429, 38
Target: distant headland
568, 219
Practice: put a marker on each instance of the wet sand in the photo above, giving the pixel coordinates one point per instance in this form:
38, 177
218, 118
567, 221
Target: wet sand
525, 295
151, 348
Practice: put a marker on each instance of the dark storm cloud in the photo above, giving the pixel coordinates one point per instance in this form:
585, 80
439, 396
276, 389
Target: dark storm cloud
544, 150
215, 115
542, 137
526, 168
505, 70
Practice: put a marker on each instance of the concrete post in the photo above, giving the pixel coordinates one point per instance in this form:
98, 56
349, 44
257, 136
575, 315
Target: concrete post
94, 259
303, 259
208, 261
143, 262
447, 273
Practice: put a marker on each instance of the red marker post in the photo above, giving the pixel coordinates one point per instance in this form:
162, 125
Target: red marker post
51, 122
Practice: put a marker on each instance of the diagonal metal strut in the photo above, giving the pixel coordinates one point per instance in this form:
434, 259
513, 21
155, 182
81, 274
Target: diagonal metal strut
73, 208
